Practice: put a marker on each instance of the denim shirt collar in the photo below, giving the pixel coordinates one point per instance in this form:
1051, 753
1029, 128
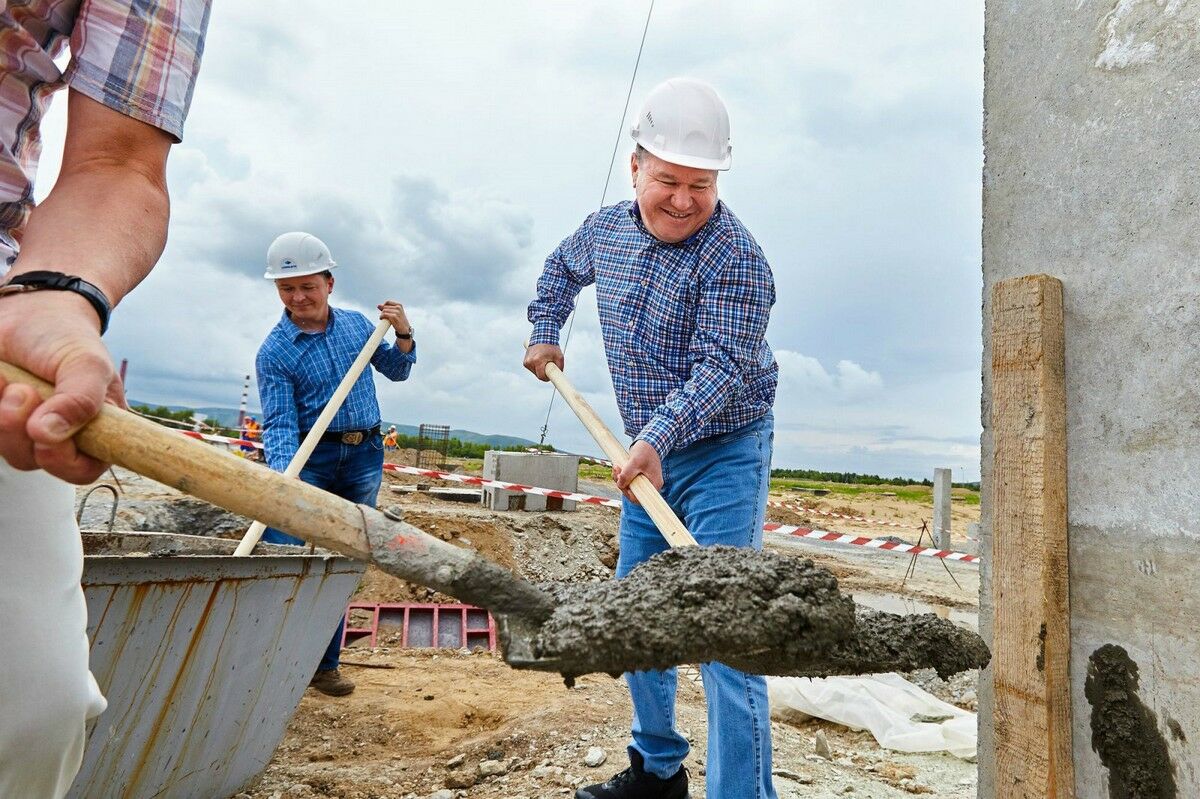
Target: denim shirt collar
293, 330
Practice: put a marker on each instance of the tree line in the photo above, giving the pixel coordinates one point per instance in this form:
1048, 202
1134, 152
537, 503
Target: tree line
860, 479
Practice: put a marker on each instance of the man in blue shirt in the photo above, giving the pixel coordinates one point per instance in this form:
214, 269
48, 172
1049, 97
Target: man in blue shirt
300, 365
684, 294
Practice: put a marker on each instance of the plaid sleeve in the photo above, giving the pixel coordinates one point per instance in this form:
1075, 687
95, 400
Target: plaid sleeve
731, 325
140, 58
392, 363
567, 270
281, 427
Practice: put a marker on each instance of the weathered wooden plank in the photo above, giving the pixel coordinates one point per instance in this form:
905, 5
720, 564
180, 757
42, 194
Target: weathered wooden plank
1032, 630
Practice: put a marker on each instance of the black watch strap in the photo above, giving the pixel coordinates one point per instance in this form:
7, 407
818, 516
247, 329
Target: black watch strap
57, 281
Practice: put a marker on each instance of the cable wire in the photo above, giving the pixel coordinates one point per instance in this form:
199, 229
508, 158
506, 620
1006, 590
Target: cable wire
603, 196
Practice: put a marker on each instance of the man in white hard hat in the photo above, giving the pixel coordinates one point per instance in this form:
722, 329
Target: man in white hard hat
129, 82
684, 295
300, 365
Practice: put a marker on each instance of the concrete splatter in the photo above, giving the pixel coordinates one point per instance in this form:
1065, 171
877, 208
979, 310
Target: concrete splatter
1124, 731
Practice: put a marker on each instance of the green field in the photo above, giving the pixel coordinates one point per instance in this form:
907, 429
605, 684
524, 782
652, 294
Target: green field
594, 471
914, 493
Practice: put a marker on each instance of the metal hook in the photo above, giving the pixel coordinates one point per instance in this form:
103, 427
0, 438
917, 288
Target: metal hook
112, 517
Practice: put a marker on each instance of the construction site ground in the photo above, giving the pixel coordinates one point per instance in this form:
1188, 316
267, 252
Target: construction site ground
452, 724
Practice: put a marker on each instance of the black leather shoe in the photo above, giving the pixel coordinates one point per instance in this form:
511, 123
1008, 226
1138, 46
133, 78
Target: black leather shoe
635, 783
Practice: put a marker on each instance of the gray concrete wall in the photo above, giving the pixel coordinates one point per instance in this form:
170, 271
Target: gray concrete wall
1092, 143
560, 472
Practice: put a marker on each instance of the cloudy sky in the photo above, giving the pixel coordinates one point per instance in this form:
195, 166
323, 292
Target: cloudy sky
442, 150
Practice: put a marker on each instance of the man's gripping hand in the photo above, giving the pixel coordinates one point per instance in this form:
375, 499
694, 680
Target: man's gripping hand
643, 459
393, 312
537, 356
55, 335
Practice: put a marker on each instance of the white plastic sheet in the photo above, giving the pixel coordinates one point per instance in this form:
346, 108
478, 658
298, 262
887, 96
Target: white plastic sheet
884, 704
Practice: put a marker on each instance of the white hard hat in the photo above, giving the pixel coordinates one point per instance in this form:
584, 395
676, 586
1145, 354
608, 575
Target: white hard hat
296, 254
684, 121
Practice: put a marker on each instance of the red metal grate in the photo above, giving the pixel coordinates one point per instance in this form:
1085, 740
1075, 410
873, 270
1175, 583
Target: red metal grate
425, 626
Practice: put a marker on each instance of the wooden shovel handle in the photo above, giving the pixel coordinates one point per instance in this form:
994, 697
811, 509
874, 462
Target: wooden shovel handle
296, 465
655, 506
120, 437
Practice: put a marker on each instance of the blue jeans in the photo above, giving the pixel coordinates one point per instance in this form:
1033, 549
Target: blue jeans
352, 472
718, 487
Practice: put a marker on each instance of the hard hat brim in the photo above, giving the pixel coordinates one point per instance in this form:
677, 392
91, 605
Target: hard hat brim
692, 161
315, 270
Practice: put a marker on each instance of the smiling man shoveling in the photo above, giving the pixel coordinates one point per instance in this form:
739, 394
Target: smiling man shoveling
684, 294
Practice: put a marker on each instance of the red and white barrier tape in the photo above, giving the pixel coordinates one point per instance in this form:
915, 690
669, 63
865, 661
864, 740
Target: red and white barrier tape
486, 483
221, 439
871, 543
770, 527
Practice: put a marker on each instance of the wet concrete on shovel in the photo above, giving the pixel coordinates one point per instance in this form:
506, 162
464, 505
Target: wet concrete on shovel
757, 611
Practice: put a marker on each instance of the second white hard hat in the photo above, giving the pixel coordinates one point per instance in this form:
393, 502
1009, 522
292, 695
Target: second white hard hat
684, 121
297, 254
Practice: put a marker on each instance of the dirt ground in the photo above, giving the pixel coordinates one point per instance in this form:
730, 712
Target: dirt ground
467, 724
448, 724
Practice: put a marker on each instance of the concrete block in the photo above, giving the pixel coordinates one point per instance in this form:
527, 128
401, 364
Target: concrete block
560, 472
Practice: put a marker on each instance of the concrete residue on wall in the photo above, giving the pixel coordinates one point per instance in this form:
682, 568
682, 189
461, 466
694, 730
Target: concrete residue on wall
1138, 32
759, 612
1125, 732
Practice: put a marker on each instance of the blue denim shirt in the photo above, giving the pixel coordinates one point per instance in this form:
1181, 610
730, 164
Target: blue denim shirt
298, 373
684, 324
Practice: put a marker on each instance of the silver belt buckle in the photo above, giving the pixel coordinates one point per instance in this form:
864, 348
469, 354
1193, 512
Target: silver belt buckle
352, 438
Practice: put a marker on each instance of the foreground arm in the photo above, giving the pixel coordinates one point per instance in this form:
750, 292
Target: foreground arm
105, 221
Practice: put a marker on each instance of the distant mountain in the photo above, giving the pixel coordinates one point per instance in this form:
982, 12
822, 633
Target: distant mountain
227, 417
468, 436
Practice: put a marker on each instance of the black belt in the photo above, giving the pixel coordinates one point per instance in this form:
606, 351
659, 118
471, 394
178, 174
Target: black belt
352, 437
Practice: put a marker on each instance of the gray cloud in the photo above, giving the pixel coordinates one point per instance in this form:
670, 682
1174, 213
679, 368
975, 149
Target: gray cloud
425, 241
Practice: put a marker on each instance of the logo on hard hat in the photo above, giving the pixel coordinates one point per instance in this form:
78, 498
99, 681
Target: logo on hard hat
288, 263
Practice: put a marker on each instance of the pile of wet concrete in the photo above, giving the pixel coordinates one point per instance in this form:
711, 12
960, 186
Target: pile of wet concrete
183, 515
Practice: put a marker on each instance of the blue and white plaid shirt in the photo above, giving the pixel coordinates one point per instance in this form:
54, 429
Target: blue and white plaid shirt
298, 373
684, 324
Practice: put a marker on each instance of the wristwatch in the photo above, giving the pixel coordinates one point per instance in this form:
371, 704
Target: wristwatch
406, 336
57, 281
